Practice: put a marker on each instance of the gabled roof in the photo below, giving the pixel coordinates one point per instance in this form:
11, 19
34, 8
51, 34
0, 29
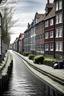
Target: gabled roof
21, 36
51, 14
41, 19
37, 15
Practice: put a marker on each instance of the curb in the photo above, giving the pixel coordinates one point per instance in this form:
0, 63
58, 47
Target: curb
55, 79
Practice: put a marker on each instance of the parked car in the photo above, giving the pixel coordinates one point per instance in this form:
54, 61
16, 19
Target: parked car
58, 65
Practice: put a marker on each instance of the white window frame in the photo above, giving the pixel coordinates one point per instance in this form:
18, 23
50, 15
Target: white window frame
57, 19
51, 47
46, 23
0, 31
60, 5
59, 46
46, 47
59, 32
56, 32
56, 7
46, 35
0, 21
51, 34
60, 18
51, 22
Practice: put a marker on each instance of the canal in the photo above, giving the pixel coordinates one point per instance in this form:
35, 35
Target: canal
23, 82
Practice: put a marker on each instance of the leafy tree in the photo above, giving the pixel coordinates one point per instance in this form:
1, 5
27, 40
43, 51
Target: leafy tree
5, 29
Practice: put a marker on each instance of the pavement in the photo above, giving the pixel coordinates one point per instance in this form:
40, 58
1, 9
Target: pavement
53, 77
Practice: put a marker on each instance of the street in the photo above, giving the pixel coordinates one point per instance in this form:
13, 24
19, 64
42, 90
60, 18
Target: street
22, 81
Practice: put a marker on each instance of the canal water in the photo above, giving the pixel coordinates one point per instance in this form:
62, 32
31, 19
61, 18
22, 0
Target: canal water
23, 82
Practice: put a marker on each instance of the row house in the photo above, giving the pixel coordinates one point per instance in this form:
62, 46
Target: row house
30, 35
33, 32
27, 47
49, 30
59, 28
40, 35
15, 45
45, 35
21, 42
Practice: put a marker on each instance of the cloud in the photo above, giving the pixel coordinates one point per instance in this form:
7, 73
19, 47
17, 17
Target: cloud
25, 11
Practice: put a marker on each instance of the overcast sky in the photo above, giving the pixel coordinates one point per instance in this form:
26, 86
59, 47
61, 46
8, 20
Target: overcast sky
24, 12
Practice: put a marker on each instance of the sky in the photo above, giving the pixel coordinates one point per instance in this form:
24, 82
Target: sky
24, 13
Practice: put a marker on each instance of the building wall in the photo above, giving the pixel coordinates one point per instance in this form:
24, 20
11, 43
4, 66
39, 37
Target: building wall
59, 30
33, 39
49, 38
40, 38
27, 41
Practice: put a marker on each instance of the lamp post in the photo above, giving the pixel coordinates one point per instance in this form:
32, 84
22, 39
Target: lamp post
0, 37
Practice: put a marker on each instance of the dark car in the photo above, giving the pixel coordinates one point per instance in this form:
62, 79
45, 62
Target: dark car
58, 65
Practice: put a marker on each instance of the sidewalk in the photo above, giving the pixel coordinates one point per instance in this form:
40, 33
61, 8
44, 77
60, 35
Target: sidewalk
54, 77
56, 72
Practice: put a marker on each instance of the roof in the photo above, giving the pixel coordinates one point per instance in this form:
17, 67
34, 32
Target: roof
37, 15
51, 14
41, 19
21, 36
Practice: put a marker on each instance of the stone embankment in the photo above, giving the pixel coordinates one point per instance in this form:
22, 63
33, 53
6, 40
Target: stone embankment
5, 71
53, 78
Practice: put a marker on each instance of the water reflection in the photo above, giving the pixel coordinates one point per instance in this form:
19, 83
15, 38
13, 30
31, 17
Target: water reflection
23, 82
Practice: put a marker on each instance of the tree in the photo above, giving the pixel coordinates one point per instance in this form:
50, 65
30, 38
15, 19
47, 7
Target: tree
5, 29
7, 22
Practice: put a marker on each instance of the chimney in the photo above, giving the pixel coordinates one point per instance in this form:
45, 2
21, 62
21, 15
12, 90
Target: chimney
47, 1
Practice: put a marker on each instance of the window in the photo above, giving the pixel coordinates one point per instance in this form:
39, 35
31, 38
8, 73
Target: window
56, 19
51, 47
46, 23
60, 4
60, 18
46, 47
0, 50
51, 22
0, 21
46, 35
0, 31
56, 6
59, 46
0, 40
51, 34
59, 32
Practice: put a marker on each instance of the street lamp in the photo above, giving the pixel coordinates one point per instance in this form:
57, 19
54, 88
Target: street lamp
0, 37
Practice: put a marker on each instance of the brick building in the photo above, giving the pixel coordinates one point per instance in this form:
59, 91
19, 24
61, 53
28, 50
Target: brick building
49, 30
59, 28
21, 42
27, 44
40, 35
